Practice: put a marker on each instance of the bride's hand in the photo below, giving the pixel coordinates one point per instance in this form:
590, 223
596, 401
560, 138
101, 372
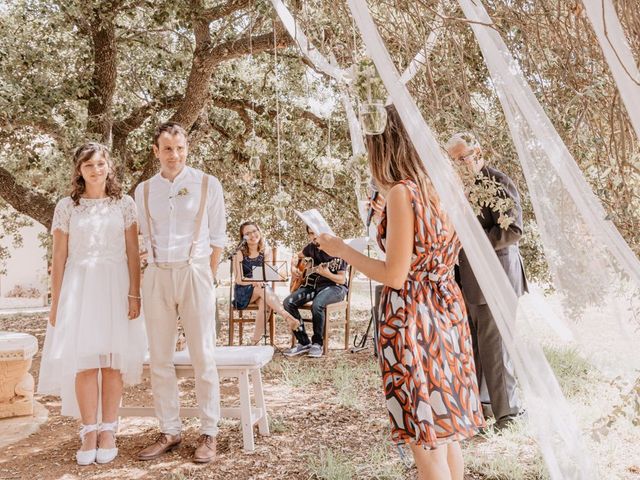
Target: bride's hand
52, 316
134, 308
331, 245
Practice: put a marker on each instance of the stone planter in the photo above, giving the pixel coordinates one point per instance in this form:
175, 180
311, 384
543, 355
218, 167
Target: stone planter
16, 383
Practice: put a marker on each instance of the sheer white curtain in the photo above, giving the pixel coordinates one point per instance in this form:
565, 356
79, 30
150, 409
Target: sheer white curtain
552, 421
618, 55
594, 270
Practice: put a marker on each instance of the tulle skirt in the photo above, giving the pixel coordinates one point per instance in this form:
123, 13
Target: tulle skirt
92, 330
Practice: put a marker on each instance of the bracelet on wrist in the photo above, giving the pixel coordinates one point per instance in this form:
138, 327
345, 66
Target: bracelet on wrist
137, 297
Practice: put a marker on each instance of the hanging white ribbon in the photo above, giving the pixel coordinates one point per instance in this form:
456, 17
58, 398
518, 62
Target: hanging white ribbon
618, 55
334, 71
306, 47
421, 57
554, 425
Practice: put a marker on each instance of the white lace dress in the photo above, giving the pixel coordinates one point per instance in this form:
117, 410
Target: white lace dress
92, 329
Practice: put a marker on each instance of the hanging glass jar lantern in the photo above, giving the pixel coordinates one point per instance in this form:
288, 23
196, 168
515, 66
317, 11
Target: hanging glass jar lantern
327, 180
371, 92
255, 147
281, 213
281, 201
255, 163
373, 117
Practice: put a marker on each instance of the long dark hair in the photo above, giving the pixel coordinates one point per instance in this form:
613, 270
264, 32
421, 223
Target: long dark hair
245, 247
84, 153
392, 158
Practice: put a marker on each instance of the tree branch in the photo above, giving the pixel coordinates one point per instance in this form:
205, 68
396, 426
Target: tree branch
241, 106
245, 45
350, 208
139, 115
26, 200
216, 13
206, 59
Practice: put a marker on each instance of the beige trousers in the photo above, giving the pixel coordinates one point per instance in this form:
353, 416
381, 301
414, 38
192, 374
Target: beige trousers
186, 291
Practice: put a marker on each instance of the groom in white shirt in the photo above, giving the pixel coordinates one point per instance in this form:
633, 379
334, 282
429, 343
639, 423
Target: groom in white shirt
182, 217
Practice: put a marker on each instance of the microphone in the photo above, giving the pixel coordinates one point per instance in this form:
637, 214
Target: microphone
374, 196
242, 243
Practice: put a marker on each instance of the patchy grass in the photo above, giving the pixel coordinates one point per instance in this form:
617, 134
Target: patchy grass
300, 373
574, 373
351, 381
277, 425
382, 463
330, 465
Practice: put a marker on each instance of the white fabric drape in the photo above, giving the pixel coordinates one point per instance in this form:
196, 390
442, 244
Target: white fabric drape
594, 270
421, 57
553, 424
306, 47
618, 55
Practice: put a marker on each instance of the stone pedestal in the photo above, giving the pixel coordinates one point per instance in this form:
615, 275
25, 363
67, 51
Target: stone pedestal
16, 383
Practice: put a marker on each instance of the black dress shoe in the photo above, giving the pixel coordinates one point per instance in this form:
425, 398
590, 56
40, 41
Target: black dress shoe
508, 420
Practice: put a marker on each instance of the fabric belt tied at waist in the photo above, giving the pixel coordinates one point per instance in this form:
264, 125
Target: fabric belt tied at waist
440, 276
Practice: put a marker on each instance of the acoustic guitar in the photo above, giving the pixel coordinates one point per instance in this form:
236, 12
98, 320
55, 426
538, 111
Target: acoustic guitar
308, 272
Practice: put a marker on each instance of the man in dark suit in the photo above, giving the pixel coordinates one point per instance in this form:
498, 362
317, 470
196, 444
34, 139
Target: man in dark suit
492, 361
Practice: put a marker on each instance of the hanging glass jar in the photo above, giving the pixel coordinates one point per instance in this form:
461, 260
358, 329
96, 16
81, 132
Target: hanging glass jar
255, 163
256, 148
281, 212
371, 92
327, 180
281, 201
373, 117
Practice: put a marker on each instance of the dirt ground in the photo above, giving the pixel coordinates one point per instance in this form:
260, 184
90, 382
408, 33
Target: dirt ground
326, 416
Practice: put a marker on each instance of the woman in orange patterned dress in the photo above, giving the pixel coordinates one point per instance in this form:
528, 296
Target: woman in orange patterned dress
424, 344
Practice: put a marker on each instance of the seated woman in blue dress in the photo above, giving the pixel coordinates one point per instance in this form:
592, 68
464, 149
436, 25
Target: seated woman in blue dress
253, 254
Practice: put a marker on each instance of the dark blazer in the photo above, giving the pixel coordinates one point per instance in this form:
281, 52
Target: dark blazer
504, 242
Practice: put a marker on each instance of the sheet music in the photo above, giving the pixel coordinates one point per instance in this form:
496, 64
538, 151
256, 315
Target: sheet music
274, 273
315, 221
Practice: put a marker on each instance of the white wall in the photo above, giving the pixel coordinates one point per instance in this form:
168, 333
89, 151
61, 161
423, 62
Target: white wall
26, 266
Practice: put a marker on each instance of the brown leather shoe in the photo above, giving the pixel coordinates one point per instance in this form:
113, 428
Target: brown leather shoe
206, 449
164, 443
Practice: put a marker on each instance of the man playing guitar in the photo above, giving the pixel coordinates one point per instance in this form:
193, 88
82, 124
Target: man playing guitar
325, 286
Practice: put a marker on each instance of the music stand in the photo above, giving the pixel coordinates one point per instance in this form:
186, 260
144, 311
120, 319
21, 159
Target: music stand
275, 271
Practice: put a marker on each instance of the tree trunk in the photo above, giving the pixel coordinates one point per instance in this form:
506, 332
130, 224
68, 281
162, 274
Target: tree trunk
103, 34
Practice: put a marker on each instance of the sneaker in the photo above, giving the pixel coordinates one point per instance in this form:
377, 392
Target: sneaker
315, 351
298, 349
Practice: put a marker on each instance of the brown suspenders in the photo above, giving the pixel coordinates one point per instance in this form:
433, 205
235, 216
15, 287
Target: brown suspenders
198, 221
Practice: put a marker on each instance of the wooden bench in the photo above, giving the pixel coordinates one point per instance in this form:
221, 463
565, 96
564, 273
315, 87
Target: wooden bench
241, 362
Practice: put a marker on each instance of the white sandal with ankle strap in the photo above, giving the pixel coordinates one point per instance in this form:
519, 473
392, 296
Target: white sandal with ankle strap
86, 457
105, 455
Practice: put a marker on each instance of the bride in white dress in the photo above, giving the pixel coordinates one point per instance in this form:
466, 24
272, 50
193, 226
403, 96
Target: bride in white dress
95, 340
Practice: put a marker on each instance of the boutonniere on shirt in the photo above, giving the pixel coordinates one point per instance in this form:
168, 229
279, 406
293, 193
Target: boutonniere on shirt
183, 192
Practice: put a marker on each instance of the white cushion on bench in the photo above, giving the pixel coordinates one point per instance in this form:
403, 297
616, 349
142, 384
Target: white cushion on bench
236, 356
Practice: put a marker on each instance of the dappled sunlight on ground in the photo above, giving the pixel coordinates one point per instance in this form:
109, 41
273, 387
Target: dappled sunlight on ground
326, 416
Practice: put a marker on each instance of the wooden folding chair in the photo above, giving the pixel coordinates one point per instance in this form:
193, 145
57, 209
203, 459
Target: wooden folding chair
240, 317
341, 306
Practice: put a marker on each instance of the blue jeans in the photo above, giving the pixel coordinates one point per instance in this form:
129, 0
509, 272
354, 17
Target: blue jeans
322, 298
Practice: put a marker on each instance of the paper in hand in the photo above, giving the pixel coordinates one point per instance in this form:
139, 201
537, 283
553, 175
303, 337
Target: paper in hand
358, 244
315, 221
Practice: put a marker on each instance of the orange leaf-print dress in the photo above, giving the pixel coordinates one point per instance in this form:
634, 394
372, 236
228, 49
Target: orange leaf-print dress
424, 343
